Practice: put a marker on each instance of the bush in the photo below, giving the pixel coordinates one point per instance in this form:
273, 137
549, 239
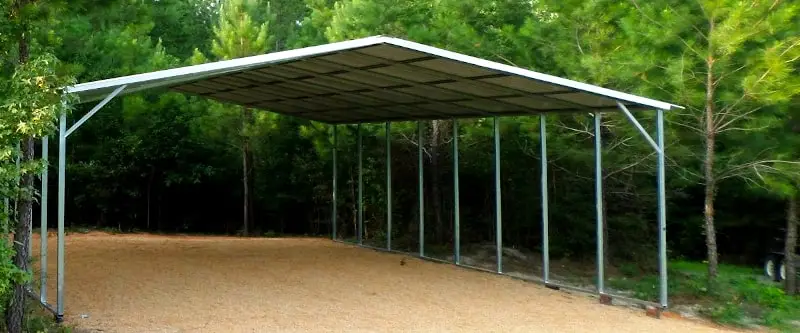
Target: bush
9, 273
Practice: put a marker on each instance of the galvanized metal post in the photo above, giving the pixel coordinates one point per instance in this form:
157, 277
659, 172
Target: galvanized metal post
421, 191
360, 187
662, 211
388, 185
334, 203
598, 193
456, 199
62, 163
498, 217
545, 203
43, 223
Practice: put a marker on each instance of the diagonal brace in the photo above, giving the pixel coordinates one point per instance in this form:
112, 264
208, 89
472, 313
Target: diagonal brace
639, 127
95, 109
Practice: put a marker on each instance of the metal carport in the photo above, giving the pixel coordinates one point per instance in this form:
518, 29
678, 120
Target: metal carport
383, 79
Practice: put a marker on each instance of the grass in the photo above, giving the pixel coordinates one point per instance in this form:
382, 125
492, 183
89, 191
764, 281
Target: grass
738, 297
39, 320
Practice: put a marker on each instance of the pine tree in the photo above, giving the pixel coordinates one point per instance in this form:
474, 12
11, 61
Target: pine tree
725, 61
238, 35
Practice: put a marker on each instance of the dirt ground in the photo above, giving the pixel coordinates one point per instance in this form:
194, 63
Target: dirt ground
147, 283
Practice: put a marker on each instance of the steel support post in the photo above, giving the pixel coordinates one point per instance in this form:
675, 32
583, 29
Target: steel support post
334, 203
360, 187
388, 185
62, 163
63, 133
662, 211
43, 222
598, 193
498, 209
658, 146
456, 199
545, 202
421, 191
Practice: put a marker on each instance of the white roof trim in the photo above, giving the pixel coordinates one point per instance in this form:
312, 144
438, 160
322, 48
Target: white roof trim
176, 76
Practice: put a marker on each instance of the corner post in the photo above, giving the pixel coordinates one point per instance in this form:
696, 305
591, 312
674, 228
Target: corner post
598, 193
456, 199
498, 217
545, 202
662, 211
43, 222
62, 163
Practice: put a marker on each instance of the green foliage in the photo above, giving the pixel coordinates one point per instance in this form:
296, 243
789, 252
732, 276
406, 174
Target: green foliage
236, 35
32, 101
740, 296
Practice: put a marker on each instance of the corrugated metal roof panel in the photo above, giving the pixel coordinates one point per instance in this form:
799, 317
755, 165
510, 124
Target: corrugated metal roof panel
376, 78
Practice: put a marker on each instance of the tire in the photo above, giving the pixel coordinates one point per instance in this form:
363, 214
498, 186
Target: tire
771, 268
781, 270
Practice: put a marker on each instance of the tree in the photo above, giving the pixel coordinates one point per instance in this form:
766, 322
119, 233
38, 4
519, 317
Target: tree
311, 30
238, 35
32, 102
183, 25
782, 180
724, 60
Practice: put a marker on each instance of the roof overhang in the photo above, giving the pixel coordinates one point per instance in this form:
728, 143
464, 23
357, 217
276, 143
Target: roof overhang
376, 79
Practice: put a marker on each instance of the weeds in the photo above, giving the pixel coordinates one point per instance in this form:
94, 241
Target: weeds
738, 297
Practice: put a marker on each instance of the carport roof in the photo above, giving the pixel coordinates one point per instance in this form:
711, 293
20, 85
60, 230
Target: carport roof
375, 79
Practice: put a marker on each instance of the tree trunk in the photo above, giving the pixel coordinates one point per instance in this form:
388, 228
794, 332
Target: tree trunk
16, 310
790, 247
710, 179
436, 200
15, 313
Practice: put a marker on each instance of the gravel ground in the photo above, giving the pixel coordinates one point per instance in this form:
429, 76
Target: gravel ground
147, 283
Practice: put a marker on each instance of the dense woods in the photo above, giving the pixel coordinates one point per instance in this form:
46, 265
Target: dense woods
165, 162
